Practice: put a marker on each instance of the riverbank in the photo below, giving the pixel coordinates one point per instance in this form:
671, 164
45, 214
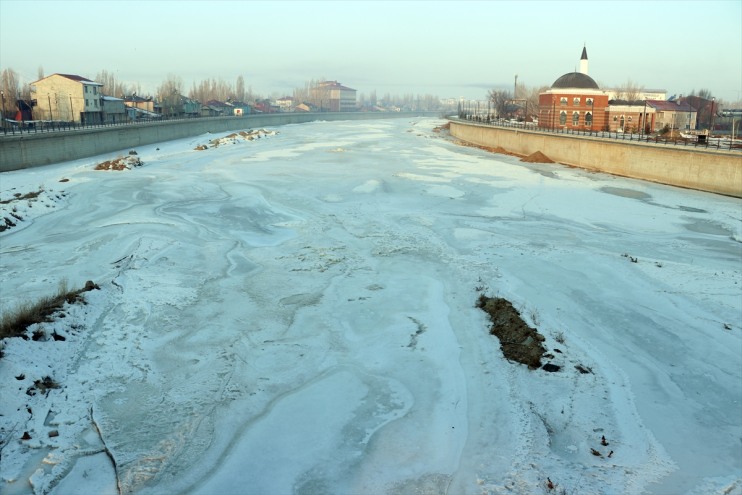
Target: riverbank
714, 171
33, 150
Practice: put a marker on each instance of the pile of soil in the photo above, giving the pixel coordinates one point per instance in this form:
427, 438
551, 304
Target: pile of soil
122, 163
537, 157
518, 341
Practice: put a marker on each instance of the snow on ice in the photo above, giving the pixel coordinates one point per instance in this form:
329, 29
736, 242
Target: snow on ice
298, 314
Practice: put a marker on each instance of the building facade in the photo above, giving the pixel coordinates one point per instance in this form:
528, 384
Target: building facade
69, 98
574, 101
335, 97
113, 110
675, 114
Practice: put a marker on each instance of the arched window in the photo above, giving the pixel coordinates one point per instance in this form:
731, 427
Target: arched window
589, 119
576, 102
575, 118
563, 100
589, 101
563, 117
623, 121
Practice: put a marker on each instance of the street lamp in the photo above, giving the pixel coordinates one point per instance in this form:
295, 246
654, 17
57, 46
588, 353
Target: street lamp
2, 94
713, 100
732, 145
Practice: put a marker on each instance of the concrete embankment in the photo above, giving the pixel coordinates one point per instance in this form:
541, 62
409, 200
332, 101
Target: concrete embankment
713, 171
33, 150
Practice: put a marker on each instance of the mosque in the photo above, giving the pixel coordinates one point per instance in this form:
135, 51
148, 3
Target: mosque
574, 101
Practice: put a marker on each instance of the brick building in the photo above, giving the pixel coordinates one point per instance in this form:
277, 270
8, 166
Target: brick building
574, 101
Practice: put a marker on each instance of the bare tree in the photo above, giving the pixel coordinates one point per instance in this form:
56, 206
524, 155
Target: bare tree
212, 89
313, 92
532, 99
499, 99
169, 94
10, 87
111, 86
629, 91
704, 93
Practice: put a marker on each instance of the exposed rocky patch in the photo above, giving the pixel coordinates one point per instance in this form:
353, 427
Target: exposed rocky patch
121, 163
235, 138
518, 341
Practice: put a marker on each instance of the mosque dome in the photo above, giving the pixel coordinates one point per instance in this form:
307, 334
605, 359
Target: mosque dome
575, 80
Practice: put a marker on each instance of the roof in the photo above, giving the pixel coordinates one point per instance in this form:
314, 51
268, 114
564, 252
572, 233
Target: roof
135, 99
575, 80
79, 79
334, 85
584, 53
670, 106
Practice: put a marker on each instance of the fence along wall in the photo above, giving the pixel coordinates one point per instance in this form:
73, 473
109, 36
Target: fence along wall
711, 171
33, 150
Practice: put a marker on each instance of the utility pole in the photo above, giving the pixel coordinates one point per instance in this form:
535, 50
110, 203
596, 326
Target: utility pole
515, 86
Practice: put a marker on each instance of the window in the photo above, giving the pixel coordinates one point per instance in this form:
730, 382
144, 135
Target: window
563, 118
629, 119
86, 88
563, 101
575, 118
576, 102
589, 119
95, 90
589, 101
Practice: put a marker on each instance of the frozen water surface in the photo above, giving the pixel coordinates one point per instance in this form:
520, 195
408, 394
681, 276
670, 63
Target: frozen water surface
296, 314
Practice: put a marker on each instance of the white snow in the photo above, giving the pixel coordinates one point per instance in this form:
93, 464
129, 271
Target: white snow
296, 314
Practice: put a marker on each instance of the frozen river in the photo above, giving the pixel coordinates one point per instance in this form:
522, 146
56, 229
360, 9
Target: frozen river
295, 314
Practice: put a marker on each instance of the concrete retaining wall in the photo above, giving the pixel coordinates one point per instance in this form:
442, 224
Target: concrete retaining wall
32, 150
705, 170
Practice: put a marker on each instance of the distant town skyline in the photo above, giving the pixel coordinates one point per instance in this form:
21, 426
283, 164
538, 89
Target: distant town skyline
449, 49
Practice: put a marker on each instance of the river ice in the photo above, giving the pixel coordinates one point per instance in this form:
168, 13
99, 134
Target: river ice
296, 314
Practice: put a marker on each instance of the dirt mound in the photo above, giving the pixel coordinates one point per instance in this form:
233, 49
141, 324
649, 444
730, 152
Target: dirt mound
518, 341
537, 157
122, 163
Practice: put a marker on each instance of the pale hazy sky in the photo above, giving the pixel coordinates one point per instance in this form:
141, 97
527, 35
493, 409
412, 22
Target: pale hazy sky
446, 48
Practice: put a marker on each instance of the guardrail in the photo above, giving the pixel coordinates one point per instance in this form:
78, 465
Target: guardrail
711, 143
16, 127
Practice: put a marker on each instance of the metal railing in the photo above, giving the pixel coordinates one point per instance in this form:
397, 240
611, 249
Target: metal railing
725, 144
16, 127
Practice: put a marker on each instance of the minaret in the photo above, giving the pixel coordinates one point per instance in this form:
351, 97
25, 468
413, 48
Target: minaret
583, 61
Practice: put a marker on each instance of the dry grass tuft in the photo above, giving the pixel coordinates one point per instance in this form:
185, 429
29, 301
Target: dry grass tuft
16, 322
19, 197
